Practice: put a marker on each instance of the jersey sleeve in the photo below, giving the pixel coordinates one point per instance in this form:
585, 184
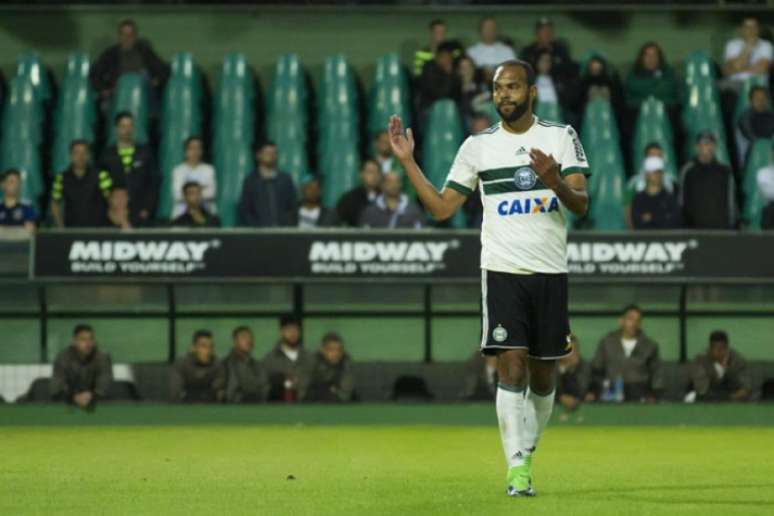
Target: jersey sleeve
463, 176
572, 157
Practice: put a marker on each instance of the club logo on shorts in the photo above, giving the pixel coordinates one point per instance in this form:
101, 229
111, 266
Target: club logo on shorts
525, 178
500, 334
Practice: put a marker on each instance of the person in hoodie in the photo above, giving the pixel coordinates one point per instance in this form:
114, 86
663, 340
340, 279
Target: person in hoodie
197, 377
392, 209
289, 364
332, 379
246, 378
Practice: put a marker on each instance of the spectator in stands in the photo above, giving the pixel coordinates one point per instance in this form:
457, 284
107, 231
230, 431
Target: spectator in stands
194, 169
383, 154
269, 196
196, 214
756, 122
82, 373
133, 165
332, 379
651, 77
131, 54
721, 373
480, 123
480, 377
655, 207
13, 211
352, 204
748, 55
599, 81
392, 209
288, 365
311, 213
437, 33
574, 377
550, 57
439, 79
626, 365
117, 215
81, 189
765, 179
474, 94
707, 188
488, 53
198, 377
246, 378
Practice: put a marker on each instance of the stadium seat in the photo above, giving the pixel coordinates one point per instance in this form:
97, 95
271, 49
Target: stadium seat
599, 125
22, 125
78, 66
550, 111
390, 94
75, 118
653, 125
338, 93
759, 157
699, 69
131, 94
442, 139
30, 67
701, 105
233, 166
606, 188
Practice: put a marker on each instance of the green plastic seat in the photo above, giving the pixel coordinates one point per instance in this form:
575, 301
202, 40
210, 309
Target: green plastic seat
653, 125
78, 66
389, 95
30, 66
606, 187
23, 114
760, 156
338, 93
550, 111
131, 94
699, 68
236, 162
599, 124
24, 155
339, 168
75, 119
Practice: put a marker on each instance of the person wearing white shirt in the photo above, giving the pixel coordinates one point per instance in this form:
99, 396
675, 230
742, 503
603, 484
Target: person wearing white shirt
748, 55
488, 53
193, 170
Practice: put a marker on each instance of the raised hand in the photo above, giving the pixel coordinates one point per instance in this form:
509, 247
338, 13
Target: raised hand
402, 144
546, 168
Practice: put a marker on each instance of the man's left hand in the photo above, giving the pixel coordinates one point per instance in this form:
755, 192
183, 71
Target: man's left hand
546, 168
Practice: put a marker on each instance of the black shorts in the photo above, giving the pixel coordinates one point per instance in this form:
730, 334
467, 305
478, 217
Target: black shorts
525, 311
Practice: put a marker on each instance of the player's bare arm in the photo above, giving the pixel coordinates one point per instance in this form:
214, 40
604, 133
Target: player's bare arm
570, 190
441, 205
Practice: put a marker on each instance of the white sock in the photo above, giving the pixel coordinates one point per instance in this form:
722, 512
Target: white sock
537, 412
510, 404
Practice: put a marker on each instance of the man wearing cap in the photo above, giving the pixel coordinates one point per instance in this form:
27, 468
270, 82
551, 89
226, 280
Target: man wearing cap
655, 207
311, 213
707, 189
195, 215
765, 180
288, 365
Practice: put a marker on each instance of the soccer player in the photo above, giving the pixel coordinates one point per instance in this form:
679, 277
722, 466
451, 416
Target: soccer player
529, 172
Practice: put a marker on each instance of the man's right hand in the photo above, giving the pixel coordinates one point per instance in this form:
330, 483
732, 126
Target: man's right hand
402, 144
82, 399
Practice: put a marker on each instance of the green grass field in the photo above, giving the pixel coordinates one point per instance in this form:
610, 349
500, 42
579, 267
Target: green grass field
333, 460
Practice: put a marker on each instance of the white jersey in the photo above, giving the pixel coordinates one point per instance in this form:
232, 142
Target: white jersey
524, 229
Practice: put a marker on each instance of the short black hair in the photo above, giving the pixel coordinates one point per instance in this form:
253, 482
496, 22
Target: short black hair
528, 69
200, 334
435, 22
121, 115
332, 336
629, 308
718, 336
653, 145
79, 141
80, 328
265, 143
446, 47
288, 320
240, 329
190, 139
128, 22
755, 89
10, 172
190, 184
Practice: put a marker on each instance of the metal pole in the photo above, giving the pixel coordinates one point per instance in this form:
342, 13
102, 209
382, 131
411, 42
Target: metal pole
683, 323
171, 323
428, 317
43, 305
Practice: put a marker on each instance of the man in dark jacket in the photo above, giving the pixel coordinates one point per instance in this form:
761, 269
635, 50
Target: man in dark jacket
196, 215
438, 80
129, 55
133, 165
82, 373
82, 190
288, 365
629, 356
198, 377
269, 197
392, 209
708, 189
721, 373
332, 378
352, 204
311, 212
246, 378
655, 207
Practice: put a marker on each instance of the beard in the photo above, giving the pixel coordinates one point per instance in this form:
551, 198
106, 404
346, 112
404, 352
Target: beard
518, 112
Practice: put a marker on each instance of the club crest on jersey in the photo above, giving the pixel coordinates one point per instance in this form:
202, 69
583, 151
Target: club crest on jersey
525, 178
528, 206
521, 151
